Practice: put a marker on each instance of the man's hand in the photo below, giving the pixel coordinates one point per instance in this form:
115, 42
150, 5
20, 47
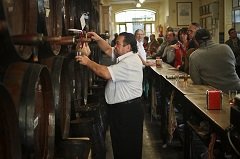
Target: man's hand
94, 36
82, 59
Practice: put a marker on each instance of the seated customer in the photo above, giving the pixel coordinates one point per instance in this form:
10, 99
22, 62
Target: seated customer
153, 45
213, 64
234, 43
168, 54
181, 48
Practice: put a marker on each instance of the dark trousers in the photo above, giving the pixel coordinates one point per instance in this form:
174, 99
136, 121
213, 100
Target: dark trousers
126, 129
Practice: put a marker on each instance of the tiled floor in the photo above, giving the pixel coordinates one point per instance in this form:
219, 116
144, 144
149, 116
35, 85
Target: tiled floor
152, 143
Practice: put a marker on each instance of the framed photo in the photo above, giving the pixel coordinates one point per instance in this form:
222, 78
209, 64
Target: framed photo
235, 3
207, 9
184, 13
209, 23
203, 22
201, 10
204, 9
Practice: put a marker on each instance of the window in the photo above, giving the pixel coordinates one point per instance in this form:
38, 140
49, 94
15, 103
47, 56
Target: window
149, 29
236, 20
133, 19
236, 15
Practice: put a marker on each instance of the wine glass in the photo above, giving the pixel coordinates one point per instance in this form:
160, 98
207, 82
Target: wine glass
185, 78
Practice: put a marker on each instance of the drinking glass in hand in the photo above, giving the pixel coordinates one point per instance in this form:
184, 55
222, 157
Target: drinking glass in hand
231, 95
78, 53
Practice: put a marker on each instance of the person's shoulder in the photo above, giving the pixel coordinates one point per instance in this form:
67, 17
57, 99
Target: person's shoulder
194, 53
224, 46
173, 42
228, 41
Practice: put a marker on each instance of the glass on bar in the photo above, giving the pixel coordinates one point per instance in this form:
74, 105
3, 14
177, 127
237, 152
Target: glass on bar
231, 95
185, 77
177, 75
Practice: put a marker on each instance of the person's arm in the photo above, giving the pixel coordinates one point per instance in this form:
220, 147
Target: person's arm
141, 52
98, 69
146, 63
170, 55
194, 72
158, 54
104, 46
161, 50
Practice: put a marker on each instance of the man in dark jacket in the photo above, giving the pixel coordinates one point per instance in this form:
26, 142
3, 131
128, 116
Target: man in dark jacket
234, 43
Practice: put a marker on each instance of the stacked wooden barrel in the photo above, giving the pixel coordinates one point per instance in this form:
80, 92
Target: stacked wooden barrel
42, 86
31, 89
10, 145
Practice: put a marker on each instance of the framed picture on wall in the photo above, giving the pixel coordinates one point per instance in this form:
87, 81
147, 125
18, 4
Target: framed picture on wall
207, 9
201, 10
204, 23
184, 13
234, 3
209, 23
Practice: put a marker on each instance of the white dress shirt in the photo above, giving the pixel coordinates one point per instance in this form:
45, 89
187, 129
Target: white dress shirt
141, 50
127, 77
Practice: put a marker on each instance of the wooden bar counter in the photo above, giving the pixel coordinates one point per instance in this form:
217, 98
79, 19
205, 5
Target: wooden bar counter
193, 100
184, 87
220, 118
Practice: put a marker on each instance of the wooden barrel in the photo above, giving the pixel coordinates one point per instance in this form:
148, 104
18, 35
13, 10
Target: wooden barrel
10, 145
69, 18
58, 67
73, 10
50, 23
81, 127
21, 17
74, 148
94, 22
85, 84
75, 74
7, 50
95, 56
31, 90
33, 17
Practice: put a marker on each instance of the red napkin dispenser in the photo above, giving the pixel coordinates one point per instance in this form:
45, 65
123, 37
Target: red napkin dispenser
214, 99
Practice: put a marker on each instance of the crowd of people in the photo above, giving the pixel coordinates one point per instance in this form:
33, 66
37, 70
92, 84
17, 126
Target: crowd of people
218, 65
190, 50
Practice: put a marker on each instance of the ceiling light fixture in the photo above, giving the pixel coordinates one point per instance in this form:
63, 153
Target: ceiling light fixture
138, 5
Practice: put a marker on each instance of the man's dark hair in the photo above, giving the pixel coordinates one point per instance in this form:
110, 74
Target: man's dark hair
230, 30
146, 38
129, 38
170, 29
197, 25
138, 30
202, 35
115, 35
182, 31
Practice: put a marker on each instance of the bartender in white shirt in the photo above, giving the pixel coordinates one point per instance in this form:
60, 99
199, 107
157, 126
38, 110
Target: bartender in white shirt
122, 93
139, 34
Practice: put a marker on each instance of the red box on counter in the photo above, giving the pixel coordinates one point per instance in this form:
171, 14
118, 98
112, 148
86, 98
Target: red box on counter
214, 99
